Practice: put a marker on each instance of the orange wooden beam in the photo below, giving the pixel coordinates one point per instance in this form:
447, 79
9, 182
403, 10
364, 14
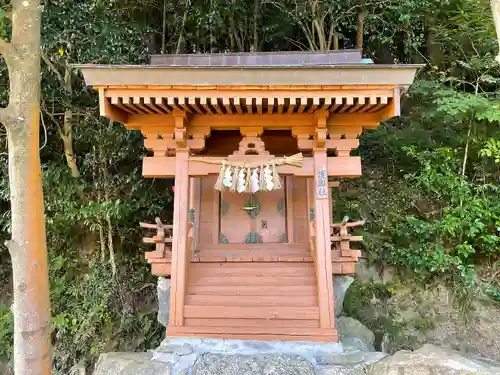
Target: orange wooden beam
340, 166
165, 123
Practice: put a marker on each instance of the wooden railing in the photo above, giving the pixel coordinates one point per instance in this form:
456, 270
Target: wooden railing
312, 243
312, 238
344, 258
189, 241
340, 233
163, 236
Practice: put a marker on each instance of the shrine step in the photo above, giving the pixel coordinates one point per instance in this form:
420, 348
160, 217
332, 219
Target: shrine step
270, 247
256, 312
242, 300
231, 290
304, 334
235, 281
269, 323
271, 269
252, 301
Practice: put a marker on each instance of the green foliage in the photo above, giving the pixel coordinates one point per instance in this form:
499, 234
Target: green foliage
359, 303
431, 200
492, 150
94, 313
493, 291
464, 222
6, 332
431, 183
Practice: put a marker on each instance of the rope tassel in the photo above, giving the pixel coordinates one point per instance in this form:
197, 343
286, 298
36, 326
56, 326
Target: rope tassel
277, 179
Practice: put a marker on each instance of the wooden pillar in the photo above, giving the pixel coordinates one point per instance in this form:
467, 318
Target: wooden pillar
180, 231
323, 247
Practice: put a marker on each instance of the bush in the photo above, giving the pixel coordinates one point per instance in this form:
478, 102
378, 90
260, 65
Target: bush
95, 313
6, 332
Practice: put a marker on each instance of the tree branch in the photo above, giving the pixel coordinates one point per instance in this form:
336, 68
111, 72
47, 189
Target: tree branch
13, 247
307, 33
52, 118
52, 68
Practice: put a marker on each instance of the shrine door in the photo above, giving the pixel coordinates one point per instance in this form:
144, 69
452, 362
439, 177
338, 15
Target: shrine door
264, 224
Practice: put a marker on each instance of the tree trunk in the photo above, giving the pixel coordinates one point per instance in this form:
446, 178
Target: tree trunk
361, 30
180, 40
495, 9
235, 32
256, 23
111, 247
67, 137
336, 41
69, 150
32, 353
164, 29
432, 47
66, 131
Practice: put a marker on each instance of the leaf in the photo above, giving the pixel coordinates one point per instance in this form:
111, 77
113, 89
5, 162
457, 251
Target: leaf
61, 51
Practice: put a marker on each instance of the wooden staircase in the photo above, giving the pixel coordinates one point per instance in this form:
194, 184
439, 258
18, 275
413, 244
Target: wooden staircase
252, 301
265, 291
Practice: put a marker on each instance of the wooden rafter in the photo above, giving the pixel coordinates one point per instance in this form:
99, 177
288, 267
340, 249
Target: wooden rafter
259, 101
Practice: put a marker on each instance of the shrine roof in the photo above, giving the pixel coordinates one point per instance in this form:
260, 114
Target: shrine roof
244, 69
341, 82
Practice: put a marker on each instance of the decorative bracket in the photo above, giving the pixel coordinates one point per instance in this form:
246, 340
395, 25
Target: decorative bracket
180, 124
164, 140
251, 131
321, 130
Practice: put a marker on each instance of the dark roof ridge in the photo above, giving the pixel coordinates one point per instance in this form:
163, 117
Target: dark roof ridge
282, 58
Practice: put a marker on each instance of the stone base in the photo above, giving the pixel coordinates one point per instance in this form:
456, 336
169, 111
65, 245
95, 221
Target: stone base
182, 353
130, 364
234, 357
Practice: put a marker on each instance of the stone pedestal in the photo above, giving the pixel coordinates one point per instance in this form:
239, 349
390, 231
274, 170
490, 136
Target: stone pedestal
163, 290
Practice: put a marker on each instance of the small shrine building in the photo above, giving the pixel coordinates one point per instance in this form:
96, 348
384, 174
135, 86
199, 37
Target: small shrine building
252, 141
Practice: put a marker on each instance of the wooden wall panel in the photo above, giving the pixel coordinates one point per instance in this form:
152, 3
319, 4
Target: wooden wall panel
235, 224
209, 212
269, 213
194, 209
299, 209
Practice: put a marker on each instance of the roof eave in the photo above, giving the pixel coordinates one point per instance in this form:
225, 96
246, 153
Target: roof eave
151, 75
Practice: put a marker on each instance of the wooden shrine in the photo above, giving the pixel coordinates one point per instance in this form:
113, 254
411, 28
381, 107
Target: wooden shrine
252, 141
